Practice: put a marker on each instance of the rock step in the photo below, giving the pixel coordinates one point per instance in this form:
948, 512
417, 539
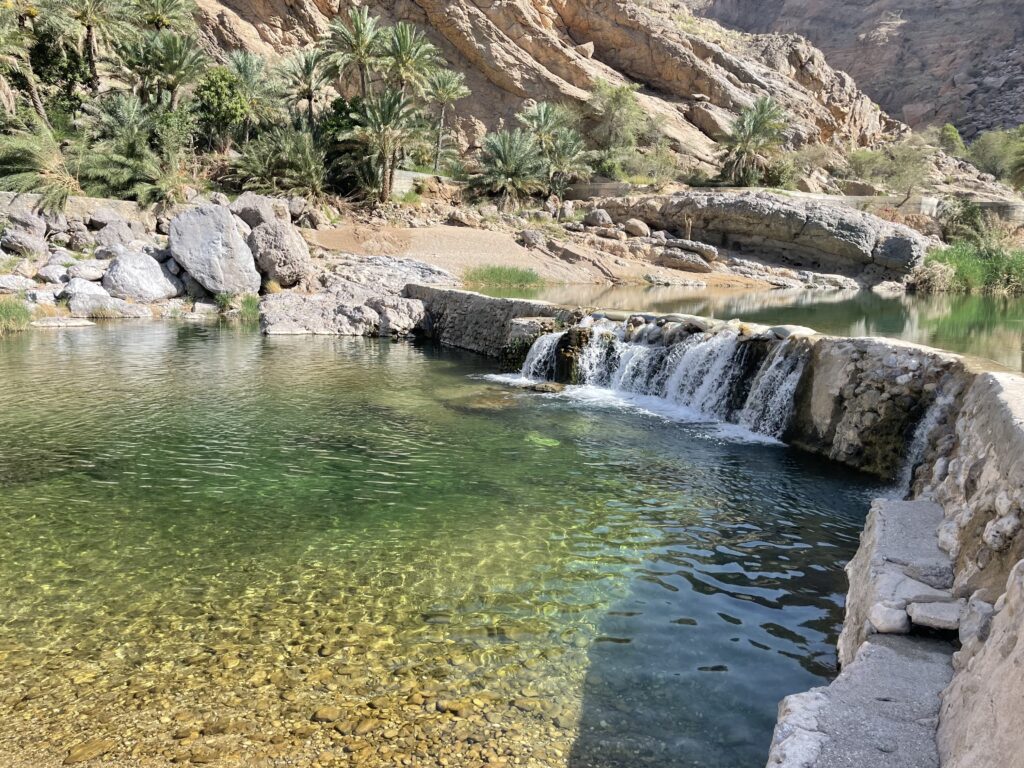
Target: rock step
898, 575
882, 711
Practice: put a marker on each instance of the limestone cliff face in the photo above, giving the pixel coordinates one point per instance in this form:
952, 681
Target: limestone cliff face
556, 49
922, 60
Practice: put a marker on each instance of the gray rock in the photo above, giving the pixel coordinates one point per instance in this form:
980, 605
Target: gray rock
296, 207
637, 228
61, 257
705, 251
115, 233
598, 217
22, 243
683, 260
256, 209
105, 306
138, 277
944, 616
15, 283
89, 269
52, 273
61, 322
533, 238
281, 253
206, 242
78, 286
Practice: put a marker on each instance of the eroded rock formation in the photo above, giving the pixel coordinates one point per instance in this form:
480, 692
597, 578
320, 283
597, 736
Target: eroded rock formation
556, 49
923, 61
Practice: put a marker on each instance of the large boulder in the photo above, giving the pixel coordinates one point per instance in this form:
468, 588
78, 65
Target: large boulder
87, 299
687, 261
598, 218
139, 277
280, 252
22, 242
52, 273
109, 228
256, 209
206, 242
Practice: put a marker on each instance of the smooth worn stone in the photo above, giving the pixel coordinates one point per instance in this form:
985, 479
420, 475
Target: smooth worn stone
255, 209
547, 387
206, 242
705, 251
15, 283
598, 218
62, 322
89, 269
89, 750
675, 258
138, 277
945, 616
281, 253
637, 228
887, 620
52, 273
327, 715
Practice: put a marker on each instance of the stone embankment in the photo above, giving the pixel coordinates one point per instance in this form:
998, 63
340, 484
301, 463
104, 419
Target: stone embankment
939, 572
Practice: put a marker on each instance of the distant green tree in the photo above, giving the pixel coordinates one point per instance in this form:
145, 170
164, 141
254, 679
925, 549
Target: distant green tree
619, 118
568, 160
283, 161
511, 167
356, 44
950, 140
175, 15
220, 105
385, 124
755, 136
16, 61
304, 81
33, 161
94, 25
409, 58
257, 88
444, 88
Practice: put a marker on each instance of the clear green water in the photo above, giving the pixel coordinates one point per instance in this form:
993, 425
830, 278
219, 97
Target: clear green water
988, 327
208, 535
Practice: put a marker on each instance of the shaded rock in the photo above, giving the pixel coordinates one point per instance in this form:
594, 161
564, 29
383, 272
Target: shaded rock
637, 228
705, 251
206, 242
281, 253
256, 209
52, 273
138, 277
598, 218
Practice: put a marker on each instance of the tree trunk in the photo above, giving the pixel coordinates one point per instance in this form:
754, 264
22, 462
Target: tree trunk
440, 140
90, 57
364, 80
35, 97
175, 98
309, 110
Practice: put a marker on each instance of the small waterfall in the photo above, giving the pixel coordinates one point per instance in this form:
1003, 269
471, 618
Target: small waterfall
749, 381
770, 403
540, 361
919, 443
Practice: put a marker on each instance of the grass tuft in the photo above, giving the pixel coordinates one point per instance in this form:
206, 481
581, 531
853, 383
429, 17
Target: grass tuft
979, 268
14, 315
250, 309
505, 277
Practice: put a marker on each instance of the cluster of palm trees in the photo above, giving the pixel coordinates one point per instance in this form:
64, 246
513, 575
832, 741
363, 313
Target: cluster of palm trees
118, 98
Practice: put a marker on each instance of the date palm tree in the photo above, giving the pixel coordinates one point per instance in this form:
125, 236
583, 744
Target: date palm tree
568, 160
755, 135
512, 167
356, 44
444, 88
385, 124
256, 86
409, 58
180, 63
32, 160
544, 120
94, 25
304, 79
15, 60
176, 15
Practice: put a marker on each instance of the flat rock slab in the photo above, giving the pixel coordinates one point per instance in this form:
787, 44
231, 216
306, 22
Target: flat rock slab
882, 711
944, 616
897, 564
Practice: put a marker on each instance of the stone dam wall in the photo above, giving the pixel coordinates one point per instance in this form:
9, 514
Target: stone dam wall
931, 657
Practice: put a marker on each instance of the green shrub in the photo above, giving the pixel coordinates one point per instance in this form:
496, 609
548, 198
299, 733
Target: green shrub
950, 140
224, 301
250, 309
507, 277
984, 266
14, 315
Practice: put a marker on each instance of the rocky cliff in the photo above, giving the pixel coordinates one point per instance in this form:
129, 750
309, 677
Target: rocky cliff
923, 61
694, 77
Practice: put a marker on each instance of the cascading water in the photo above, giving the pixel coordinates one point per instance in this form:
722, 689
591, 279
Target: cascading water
723, 375
919, 443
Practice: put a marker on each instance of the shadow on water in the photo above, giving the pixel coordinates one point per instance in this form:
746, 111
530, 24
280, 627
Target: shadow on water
725, 616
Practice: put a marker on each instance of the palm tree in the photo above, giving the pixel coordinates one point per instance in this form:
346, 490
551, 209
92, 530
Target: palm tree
444, 88
568, 160
31, 160
755, 135
385, 123
286, 161
356, 44
15, 60
511, 167
304, 80
543, 120
256, 87
1017, 168
167, 14
409, 58
93, 24
117, 114
180, 63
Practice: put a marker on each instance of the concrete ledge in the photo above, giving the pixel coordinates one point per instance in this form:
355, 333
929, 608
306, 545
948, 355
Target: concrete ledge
881, 712
897, 570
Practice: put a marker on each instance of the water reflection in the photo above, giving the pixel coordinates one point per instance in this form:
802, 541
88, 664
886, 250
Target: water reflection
989, 327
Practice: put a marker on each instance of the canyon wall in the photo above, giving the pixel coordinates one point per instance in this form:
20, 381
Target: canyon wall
693, 81
925, 62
